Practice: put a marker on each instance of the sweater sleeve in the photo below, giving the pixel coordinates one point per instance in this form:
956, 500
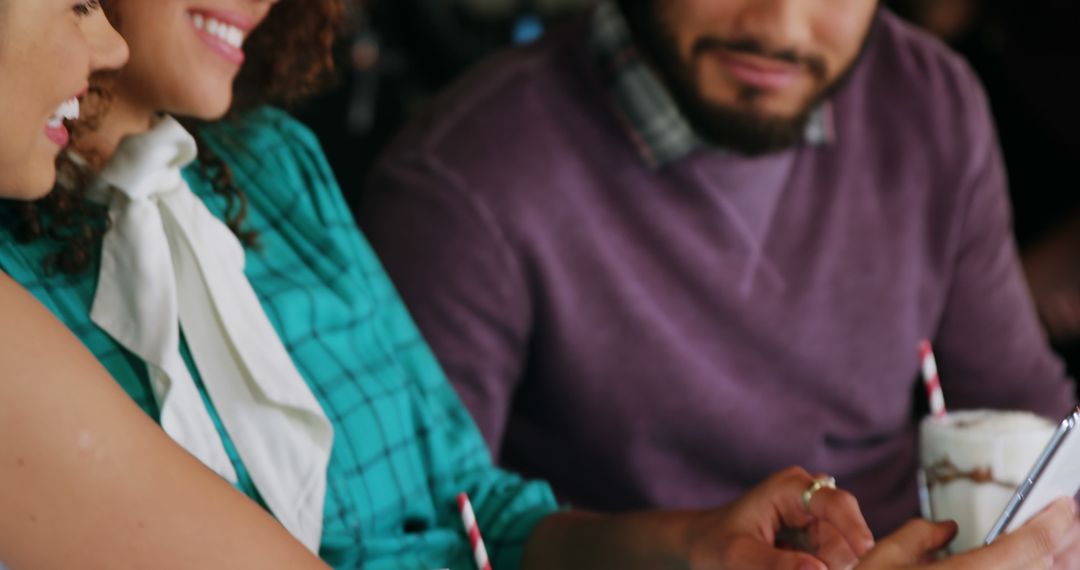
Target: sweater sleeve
992, 350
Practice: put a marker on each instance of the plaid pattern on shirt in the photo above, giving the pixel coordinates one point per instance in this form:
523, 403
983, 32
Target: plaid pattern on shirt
653, 119
404, 444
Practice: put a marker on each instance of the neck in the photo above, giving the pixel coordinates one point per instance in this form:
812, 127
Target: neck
122, 119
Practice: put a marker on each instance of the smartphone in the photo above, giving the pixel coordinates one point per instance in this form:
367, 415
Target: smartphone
1056, 474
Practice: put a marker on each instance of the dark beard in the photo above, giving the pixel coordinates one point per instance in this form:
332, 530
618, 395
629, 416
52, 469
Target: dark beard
741, 131
722, 126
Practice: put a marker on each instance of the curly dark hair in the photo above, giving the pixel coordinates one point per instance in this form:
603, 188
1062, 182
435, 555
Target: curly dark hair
290, 59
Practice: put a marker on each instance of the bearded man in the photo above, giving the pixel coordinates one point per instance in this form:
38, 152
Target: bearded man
678, 245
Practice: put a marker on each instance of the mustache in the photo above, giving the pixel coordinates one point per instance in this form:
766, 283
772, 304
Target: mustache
815, 64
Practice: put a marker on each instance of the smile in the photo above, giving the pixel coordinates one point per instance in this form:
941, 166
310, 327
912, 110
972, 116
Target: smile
68, 110
223, 33
760, 72
55, 129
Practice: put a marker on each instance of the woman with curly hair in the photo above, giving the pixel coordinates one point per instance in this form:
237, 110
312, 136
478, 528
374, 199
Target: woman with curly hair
213, 268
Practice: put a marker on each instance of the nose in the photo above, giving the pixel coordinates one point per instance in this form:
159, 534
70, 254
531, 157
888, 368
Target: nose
108, 50
777, 23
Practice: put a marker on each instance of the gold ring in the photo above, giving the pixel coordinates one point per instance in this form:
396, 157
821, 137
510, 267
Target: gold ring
818, 484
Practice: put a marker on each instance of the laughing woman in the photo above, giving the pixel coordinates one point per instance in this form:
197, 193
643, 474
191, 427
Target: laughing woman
220, 279
85, 479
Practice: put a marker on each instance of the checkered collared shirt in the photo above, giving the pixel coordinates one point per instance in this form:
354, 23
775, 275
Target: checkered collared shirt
652, 117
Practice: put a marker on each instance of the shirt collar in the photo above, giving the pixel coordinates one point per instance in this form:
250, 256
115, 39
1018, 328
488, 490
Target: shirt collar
142, 160
647, 109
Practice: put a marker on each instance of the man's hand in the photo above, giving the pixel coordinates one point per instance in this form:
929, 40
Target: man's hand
1047, 541
1067, 556
744, 534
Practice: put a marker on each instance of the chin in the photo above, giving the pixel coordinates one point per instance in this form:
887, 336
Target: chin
771, 106
204, 108
208, 113
41, 191
783, 111
31, 188
216, 112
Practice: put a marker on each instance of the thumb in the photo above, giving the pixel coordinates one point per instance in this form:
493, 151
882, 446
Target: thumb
915, 542
744, 553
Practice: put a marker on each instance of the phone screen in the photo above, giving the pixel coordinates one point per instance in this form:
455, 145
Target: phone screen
1056, 474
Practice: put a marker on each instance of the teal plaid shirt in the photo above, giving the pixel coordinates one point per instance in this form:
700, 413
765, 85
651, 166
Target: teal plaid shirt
404, 445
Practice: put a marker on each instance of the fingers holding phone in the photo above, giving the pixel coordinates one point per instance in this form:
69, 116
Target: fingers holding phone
1045, 542
1037, 544
1067, 556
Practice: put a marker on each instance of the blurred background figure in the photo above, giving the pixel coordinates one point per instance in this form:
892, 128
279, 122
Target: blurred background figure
951, 20
1025, 55
401, 53
1043, 151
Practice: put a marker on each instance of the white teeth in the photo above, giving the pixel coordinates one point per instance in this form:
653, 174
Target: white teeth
227, 33
68, 110
71, 109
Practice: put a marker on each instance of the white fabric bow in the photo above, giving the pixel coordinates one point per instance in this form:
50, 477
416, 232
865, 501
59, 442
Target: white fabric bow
169, 265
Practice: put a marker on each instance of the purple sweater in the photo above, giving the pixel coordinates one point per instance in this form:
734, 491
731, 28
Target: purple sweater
670, 337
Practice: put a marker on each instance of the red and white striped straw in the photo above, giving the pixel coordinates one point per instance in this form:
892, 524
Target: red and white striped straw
932, 380
468, 518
